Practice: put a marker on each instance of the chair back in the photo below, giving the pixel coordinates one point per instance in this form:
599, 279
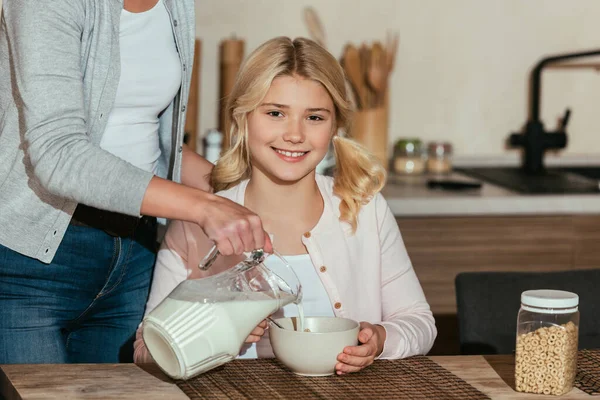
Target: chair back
488, 303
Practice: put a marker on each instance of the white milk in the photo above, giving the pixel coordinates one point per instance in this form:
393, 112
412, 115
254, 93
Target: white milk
187, 338
300, 316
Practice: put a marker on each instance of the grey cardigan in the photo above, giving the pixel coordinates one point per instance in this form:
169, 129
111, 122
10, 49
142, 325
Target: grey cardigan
59, 72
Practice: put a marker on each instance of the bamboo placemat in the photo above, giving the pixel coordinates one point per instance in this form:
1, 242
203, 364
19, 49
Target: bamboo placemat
588, 371
412, 378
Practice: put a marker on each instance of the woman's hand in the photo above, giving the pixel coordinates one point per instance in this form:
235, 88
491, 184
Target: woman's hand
257, 333
242, 232
355, 358
234, 228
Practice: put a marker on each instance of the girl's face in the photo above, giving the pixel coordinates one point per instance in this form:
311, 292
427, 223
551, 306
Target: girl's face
290, 131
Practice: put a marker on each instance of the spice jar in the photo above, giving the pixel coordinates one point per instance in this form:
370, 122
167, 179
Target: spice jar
439, 157
408, 157
547, 335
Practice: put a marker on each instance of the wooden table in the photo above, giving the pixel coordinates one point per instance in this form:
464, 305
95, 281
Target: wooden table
493, 375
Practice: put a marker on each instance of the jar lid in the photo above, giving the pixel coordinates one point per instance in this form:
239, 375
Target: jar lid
549, 298
408, 146
439, 148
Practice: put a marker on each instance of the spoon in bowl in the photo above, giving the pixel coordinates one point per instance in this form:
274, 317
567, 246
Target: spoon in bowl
276, 323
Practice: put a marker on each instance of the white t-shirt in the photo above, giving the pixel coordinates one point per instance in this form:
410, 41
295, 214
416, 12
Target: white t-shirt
315, 300
150, 78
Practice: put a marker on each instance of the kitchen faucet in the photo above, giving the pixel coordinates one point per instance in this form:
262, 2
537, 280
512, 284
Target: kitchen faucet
536, 140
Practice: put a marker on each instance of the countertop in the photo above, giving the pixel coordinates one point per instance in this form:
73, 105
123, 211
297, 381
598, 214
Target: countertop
409, 196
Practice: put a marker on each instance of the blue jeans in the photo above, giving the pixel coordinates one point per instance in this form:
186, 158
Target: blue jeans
84, 307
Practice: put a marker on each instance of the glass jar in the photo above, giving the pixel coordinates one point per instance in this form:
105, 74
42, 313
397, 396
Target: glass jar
408, 157
439, 157
547, 336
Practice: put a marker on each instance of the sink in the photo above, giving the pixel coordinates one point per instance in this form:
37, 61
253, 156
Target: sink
564, 180
592, 172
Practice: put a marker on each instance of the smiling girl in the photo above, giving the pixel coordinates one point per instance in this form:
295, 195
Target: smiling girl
338, 234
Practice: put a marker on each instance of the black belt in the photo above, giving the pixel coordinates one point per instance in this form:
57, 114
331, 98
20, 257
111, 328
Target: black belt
113, 223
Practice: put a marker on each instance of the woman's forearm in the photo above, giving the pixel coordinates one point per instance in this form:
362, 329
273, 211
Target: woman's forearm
232, 227
195, 170
171, 200
183, 201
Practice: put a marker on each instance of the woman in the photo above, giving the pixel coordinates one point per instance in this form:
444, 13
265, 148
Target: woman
92, 108
338, 234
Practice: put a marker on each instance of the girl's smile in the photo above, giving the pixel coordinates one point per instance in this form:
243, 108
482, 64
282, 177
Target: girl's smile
292, 156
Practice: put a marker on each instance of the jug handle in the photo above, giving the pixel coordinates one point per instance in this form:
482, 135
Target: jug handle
212, 255
209, 259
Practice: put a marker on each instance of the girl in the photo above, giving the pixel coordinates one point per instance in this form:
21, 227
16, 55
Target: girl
338, 234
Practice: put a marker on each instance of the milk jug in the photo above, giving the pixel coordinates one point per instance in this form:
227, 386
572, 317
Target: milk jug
203, 323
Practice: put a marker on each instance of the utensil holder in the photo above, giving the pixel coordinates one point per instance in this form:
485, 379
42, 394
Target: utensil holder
370, 129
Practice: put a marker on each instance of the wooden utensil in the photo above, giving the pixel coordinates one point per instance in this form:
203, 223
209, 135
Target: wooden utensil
377, 73
365, 61
352, 65
391, 49
315, 27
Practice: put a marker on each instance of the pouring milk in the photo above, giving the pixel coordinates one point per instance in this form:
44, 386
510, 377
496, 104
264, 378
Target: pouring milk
203, 322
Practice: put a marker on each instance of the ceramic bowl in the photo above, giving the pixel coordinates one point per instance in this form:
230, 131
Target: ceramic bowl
312, 353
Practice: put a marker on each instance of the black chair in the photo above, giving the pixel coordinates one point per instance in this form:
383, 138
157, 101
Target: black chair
488, 304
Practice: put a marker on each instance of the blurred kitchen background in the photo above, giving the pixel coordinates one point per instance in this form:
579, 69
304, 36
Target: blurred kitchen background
477, 237
462, 66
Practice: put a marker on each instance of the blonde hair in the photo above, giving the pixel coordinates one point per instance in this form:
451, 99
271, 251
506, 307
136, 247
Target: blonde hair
358, 175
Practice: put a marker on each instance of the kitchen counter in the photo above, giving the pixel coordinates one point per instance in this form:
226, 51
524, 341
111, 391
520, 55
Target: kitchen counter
409, 196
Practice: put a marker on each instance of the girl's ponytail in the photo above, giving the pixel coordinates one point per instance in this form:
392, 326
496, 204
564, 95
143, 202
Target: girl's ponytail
358, 177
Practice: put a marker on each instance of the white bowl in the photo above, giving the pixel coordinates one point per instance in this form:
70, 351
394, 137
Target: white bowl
312, 353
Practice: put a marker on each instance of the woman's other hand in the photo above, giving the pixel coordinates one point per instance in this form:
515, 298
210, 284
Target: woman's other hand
355, 358
257, 333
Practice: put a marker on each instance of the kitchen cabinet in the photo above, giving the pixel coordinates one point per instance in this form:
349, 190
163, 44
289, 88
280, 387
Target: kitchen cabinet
441, 247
